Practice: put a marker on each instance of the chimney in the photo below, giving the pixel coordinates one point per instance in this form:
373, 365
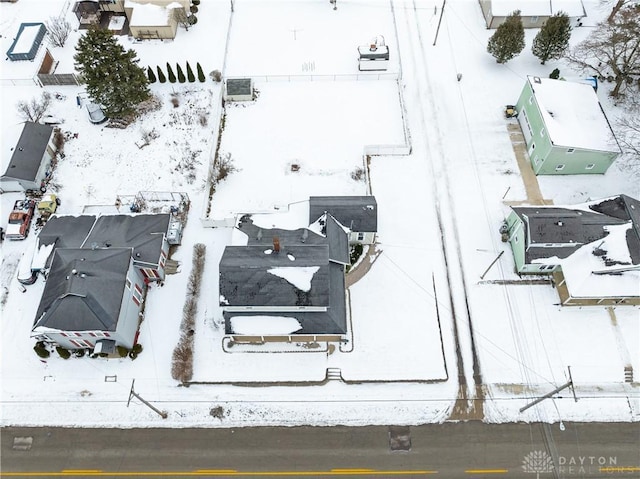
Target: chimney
276, 244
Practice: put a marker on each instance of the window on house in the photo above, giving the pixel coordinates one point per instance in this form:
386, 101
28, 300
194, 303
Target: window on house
534, 19
533, 146
590, 166
559, 167
128, 283
360, 236
570, 150
542, 133
531, 100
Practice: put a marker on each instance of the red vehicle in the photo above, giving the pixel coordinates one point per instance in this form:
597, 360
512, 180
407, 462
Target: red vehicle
20, 219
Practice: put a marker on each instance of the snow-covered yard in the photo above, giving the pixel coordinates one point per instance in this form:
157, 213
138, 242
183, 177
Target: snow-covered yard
314, 110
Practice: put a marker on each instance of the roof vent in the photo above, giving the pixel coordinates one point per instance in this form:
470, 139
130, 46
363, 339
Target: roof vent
94, 245
74, 271
537, 79
560, 223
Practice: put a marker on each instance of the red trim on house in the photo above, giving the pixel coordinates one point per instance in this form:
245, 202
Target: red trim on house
136, 300
138, 288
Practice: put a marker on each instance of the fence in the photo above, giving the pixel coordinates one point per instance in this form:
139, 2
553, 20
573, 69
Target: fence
57, 79
334, 77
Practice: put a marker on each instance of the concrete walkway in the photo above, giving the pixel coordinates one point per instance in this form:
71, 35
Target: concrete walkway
534, 196
355, 274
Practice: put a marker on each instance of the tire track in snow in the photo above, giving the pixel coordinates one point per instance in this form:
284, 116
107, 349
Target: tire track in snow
434, 159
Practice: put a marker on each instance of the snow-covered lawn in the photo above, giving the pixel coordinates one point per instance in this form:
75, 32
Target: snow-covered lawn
315, 111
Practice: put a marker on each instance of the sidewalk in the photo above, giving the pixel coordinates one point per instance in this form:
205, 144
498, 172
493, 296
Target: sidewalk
534, 195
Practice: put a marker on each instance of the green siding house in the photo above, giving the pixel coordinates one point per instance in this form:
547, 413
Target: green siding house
565, 128
591, 250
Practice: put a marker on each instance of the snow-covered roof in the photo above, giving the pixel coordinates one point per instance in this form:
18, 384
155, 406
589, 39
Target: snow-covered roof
572, 115
537, 8
149, 15
27, 37
265, 325
603, 268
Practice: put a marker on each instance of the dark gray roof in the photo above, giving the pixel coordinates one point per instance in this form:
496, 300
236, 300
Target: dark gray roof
245, 279
239, 86
358, 213
576, 227
66, 231
628, 209
84, 290
338, 241
143, 233
331, 321
28, 153
335, 237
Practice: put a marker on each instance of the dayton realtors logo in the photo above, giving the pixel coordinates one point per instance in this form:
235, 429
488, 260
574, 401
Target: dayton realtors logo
537, 462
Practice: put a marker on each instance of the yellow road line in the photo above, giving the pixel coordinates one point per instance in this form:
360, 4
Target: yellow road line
487, 471
81, 471
216, 472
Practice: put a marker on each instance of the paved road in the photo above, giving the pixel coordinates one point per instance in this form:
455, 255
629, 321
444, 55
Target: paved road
451, 450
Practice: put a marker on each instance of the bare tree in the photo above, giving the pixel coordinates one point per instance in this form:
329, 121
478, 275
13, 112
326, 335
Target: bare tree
629, 127
617, 7
180, 16
612, 50
59, 30
35, 109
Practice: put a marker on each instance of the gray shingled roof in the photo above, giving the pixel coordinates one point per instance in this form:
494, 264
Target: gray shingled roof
576, 227
27, 154
84, 290
331, 321
239, 86
335, 237
358, 213
245, 279
143, 233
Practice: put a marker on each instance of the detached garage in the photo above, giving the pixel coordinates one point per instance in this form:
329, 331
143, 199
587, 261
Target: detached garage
27, 42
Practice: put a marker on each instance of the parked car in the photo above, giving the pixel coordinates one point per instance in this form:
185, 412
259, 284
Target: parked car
20, 219
25, 274
51, 120
96, 115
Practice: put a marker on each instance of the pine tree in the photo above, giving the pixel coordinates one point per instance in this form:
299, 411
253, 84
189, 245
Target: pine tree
110, 74
508, 40
553, 38
181, 77
190, 76
172, 76
201, 77
151, 75
161, 77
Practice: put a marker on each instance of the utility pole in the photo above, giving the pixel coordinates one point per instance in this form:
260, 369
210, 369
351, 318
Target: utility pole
439, 22
132, 393
555, 391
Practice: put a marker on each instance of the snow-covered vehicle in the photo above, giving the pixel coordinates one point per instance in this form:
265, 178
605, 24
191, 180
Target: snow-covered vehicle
20, 219
96, 115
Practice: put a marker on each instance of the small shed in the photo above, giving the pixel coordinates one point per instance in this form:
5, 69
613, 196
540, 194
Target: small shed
27, 42
238, 89
30, 159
